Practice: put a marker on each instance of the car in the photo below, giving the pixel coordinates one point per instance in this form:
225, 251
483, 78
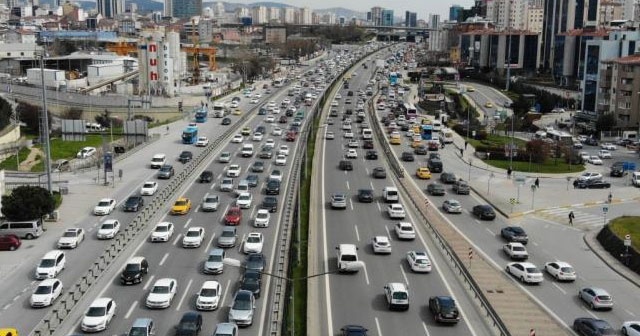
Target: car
242, 307
560, 270
395, 210
593, 184
515, 251
594, 160
461, 187
265, 153
276, 175
367, 144
134, 271
86, 152
108, 229
193, 237
283, 150
185, 156
71, 238
238, 138
589, 176
584, 156
444, 309
226, 184
162, 232
514, 234
202, 141
270, 203
338, 201
448, 178
351, 154
149, 188
405, 231
226, 329
206, 176
255, 261
262, 218
228, 237
166, 172
347, 135
182, 206
233, 216
46, 293
588, 326
272, 187
365, 195
162, 293
371, 155
246, 131
233, 170
209, 296
526, 272
255, 100
224, 157
452, 206
435, 189
484, 212
133, 204
596, 298
604, 154
408, 157
99, 315
225, 121
276, 131
381, 245
423, 173
257, 136
418, 261
252, 281
329, 135
353, 143
244, 200
253, 243
190, 324
104, 207
488, 105
210, 203
379, 173
631, 328
617, 169
608, 146
281, 160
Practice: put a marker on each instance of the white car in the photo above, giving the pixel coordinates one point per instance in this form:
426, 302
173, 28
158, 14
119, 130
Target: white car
348, 135
275, 175
233, 170
395, 210
209, 296
347, 126
262, 218
409, 134
86, 152
234, 104
104, 207
270, 119
353, 144
238, 138
257, 95
109, 229
149, 188
193, 237
271, 104
560, 270
244, 200
284, 150
276, 110
584, 156
526, 272
253, 243
338, 96
329, 135
162, 293
631, 328
276, 131
281, 160
162, 232
334, 103
452, 206
405, 231
351, 154
604, 154
381, 245
594, 160
515, 251
270, 143
608, 146
255, 100
257, 136
419, 261
46, 293
202, 142
99, 315
71, 238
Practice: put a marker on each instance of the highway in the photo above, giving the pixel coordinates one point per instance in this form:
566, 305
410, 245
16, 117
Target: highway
359, 299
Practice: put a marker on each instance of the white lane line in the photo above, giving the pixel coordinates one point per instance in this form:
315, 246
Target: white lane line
210, 242
7, 306
253, 211
149, 281
223, 213
347, 182
534, 244
357, 233
426, 331
175, 241
366, 274
559, 288
213, 185
184, 295
378, 327
351, 204
164, 258
490, 232
404, 275
630, 313
590, 313
379, 207
371, 184
225, 290
366, 169
133, 306
327, 288
186, 225
197, 208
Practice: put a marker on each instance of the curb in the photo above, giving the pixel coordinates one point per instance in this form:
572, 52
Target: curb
612, 263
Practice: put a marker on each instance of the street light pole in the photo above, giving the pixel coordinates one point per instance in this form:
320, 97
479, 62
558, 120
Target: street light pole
45, 126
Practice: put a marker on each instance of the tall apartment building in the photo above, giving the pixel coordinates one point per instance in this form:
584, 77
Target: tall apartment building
306, 17
376, 16
273, 14
410, 19
183, 9
259, 14
621, 90
218, 9
110, 8
387, 17
455, 13
434, 21
288, 14
168, 7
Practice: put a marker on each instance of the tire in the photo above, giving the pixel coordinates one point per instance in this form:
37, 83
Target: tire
29, 236
506, 269
522, 279
12, 248
592, 306
624, 331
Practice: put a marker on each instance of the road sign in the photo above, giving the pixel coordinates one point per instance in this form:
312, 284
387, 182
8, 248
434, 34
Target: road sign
605, 209
627, 240
513, 201
630, 166
470, 253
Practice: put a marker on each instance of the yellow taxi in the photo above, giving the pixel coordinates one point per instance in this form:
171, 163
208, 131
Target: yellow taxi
416, 129
181, 206
246, 131
423, 173
416, 143
471, 89
8, 332
488, 104
395, 139
236, 112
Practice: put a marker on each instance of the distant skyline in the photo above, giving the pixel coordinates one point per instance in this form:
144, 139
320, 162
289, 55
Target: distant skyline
422, 7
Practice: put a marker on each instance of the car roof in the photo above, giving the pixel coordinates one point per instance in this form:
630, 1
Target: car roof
135, 260
210, 284
195, 228
48, 282
163, 282
100, 302
226, 328
164, 223
110, 221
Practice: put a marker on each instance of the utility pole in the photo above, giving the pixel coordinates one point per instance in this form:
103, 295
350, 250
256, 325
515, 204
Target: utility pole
45, 126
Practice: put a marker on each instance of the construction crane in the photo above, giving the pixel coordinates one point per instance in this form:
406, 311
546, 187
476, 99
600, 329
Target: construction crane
123, 48
196, 51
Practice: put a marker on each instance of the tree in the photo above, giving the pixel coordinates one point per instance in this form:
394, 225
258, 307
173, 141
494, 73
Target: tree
73, 113
27, 203
605, 122
537, 150
30, 115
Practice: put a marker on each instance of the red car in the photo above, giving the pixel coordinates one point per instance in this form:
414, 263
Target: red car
233, 216
291, 136
9, 242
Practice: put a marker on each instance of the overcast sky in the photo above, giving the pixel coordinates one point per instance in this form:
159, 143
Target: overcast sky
422, 7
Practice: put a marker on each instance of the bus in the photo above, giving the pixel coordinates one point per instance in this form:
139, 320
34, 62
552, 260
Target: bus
278, 82
562, 138
201, 115
393, 78
190, 135
410, 110
427, 132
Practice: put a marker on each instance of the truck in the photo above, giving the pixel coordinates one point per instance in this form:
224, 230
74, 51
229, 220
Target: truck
219, 110
52, 77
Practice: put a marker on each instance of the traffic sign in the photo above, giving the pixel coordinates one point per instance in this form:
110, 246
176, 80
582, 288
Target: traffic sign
513, 201
627, 240
605, 209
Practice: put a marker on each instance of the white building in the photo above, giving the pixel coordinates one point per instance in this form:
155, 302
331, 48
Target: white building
274, 14
218, 9
288, 15
259, 14
242, 12
306, 16
161, 63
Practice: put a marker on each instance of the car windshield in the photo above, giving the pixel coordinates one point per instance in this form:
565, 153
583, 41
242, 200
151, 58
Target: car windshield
148, 185
215, 257
160, 289
137, 331
104, 203
43, 290
132, 268
228, 234
162, 228
181, 203
108, 226
517, 230
97, 311
165, 169
518, 248
211, 199
71, 234
209, 292
244, 197
242, 304
566, 269
454, 203
193, 233
262, 215
447, 304
422, 261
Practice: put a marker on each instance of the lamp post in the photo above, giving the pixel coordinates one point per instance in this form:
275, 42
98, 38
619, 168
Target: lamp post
489, 182
45, 126
533, 195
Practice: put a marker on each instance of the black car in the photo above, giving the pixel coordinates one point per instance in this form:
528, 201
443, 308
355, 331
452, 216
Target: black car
272, 187
444, 309
371, 155
261, 129
588, 326
252, 180
226, 121
514, 234
435, 165
252, 281
408, 156
367, 144
354, 330
434, 156
206, 176
617, 169
379, 172
593, 184
484, 212
133, 203
134, 271
365, 195
345, 165
255, 261
435, 189
262, 111
235, 99
190, 324
591, 142
283, 119
448, 178
185, 156
270, 203
420, 150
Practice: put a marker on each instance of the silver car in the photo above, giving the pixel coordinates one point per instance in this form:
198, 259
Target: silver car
241, 312
226, 184
452, 206
210, 203
214, 264
338, 201
228, 237
596, 298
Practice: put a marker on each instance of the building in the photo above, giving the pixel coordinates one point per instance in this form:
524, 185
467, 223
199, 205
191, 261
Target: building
218, 10
259, 15
410, 19
306, 17
434, 21
168, 7
161, 63
110, 8
623, 96
387, 17
288, 14
185, 9
488, 48
275, 35
376, 16
274, 14
455, 13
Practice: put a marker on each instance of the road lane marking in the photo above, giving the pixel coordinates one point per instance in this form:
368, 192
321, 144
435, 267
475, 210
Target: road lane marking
386, 228
225, 290
379, 207
559, 288
241, 243
490, 232
210, 242
351, 204
213, 185
253, 212
590, 313
404, 275
146, 285
184, 295
371, 184
197, 208
164, 258
535, 244
630, 313
133, 306
347, 182
426, 331
175, 241
186, 225
357, 233
366, 274
378, 327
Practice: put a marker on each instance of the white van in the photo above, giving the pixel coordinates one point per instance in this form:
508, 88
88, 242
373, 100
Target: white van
347, 254
158, 161
247, 150
50, 265
635, 179
447, 136
397, 295
390, 194
367, 134
437, 126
